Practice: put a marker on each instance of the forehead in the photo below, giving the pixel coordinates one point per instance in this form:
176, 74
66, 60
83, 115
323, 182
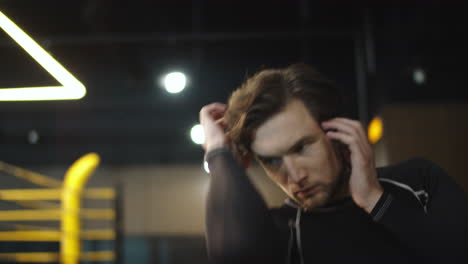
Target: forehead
284, 129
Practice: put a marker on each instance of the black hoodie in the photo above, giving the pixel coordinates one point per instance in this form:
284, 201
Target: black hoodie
422, 217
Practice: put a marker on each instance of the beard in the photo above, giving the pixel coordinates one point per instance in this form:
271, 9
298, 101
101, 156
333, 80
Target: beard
319, 199
326, 194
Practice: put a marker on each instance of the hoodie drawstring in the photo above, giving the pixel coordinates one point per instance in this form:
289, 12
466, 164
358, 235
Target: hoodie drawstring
290, 243
297, 226
298, 234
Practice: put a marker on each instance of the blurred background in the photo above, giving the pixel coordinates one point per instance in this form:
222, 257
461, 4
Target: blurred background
404, 62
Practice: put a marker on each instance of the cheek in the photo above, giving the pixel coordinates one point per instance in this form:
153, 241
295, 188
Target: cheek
322, 163
316, 159
329, 153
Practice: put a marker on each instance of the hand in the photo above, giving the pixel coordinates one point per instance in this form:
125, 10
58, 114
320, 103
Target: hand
211, 118
364, 185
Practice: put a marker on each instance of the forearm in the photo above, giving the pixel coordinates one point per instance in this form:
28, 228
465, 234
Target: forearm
238, 223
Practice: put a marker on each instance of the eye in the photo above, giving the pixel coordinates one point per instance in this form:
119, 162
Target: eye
272, 162
301, 148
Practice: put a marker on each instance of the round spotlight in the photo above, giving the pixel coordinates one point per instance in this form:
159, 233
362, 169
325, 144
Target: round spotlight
175, 82
197, 134
419, 76
33, 137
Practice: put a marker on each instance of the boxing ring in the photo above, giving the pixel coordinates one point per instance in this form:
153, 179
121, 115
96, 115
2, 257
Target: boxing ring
61, 202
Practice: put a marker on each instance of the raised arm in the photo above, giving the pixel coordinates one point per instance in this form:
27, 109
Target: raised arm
239, 227
436, 229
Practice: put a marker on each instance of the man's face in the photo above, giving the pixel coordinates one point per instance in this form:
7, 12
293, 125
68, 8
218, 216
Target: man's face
296, 154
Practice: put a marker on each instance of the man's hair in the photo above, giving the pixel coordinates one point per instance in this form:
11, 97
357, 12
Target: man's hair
268, 92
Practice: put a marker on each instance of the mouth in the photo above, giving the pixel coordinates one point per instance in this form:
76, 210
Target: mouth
307, 191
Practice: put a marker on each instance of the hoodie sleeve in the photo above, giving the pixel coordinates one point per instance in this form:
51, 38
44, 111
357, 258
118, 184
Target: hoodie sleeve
239, 226
429, 215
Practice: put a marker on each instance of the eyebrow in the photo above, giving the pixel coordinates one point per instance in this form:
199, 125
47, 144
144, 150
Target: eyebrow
296, 145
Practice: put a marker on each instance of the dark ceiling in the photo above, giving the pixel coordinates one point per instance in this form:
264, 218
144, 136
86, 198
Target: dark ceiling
119, 49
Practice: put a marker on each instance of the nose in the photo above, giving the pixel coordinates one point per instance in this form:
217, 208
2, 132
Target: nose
295, 173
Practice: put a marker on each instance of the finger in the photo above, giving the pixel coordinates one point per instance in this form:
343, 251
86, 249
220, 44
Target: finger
214, 110
335, 125
213, 106
357, 150
338, 126
217, 114
348, 126
354, 123
220, 122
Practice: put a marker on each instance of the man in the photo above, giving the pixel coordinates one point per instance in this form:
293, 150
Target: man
341, 209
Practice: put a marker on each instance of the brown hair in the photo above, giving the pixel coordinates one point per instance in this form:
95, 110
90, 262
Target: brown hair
267, 93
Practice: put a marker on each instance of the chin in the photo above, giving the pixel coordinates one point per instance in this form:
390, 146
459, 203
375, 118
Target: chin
318, 200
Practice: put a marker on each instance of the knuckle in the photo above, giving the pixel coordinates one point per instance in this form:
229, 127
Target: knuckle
356, 123
361, 127
204, 109
354, 130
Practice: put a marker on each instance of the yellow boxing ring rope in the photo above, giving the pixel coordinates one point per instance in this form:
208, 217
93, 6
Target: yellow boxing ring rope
68, 212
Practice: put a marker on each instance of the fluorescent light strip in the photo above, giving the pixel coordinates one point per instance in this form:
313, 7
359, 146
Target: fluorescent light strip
71, 89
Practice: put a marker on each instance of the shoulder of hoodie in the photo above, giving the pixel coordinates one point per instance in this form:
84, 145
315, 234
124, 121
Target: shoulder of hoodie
418, 173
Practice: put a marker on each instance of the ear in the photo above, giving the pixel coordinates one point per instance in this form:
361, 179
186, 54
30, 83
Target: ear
246, 160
